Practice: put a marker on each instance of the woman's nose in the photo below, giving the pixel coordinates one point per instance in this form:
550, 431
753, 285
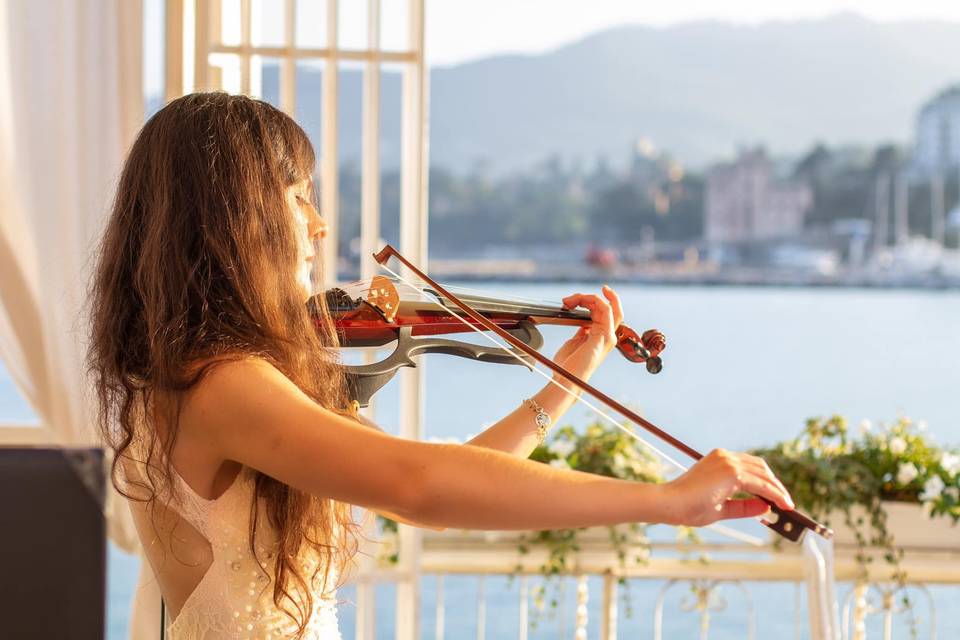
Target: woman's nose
316, 225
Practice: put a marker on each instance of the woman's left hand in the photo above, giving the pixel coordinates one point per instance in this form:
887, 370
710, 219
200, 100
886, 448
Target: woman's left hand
583, 353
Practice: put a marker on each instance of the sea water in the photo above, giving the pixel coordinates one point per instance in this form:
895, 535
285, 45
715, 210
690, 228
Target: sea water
744, 367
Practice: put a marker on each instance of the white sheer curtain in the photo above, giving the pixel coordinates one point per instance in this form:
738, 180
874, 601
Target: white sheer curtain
70, 103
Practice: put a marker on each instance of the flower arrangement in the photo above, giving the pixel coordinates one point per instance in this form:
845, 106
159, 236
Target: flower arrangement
830, 471
601, 450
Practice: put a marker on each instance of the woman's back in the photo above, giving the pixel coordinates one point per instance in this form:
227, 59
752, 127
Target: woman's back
199, 549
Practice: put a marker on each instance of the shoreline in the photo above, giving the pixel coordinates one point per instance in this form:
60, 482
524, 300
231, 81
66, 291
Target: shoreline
719, 280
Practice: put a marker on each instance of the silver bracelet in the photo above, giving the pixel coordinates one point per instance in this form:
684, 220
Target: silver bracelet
542, 419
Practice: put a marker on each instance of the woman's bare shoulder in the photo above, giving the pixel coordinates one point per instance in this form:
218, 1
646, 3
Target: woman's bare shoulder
250, 412
224, 382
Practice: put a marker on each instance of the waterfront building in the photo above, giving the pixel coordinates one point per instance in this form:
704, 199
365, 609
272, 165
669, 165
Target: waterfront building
745, 201
937, 138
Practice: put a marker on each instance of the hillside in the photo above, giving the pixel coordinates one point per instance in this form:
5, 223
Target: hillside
697, 90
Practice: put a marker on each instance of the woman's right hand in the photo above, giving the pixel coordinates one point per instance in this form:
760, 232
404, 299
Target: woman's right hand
704, 493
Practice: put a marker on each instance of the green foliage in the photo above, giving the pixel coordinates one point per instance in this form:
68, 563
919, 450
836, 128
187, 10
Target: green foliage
829, 471
601, 450
606, 451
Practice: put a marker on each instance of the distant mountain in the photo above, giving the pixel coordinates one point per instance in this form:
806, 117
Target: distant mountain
696, 90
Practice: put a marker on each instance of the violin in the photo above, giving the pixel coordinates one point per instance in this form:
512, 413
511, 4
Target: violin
382, 317
376, 315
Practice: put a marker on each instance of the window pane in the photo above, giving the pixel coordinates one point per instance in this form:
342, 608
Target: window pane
394, 24
267, 23
265, 79
391, 102
352, 25
350, 150
14, 410
311, 24
230, 31
228, 67
153, 50
308, 109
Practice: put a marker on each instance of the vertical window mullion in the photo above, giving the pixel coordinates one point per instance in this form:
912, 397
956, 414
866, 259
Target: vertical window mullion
329, 182
173, 50
288, 73
203, 36
413, 223
413, 244
245, 44
370, 174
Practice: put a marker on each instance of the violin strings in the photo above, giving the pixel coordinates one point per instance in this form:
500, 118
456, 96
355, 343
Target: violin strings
501, 345
508, 302
520, 300
717, 527
578, 397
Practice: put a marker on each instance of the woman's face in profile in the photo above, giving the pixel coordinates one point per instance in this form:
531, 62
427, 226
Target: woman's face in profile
309, 227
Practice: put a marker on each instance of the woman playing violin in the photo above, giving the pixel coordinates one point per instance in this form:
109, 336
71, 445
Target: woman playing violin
227, 411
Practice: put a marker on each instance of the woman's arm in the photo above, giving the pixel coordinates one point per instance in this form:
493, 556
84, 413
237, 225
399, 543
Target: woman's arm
516, 433
581, 355
250, 412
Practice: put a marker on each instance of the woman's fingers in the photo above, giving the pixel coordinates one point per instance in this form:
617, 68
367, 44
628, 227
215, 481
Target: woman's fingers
759, 484
760, 466
601, 312
706, 490
748, 508
572, 344
615, 305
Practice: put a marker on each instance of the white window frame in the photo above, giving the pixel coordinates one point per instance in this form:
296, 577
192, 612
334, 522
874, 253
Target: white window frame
192, 34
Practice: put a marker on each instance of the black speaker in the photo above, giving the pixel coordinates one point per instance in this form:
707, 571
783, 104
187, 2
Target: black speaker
53, 544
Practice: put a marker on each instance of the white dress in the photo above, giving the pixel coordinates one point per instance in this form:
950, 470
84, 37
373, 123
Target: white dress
234, 597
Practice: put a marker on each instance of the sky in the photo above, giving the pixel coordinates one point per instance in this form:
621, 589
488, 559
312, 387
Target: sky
462, 30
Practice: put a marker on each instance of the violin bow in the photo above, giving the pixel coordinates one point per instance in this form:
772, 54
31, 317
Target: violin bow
789, 524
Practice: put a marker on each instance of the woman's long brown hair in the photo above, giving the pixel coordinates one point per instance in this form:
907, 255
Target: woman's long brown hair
198, 263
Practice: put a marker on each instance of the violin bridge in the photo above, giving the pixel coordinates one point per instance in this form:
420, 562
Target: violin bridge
383, 297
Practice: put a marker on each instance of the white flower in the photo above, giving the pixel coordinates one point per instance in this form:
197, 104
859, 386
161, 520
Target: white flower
921, 425
865, 427
907, 473
897, 445
561, 448
950, 463
559, 464
932, 488
619, 463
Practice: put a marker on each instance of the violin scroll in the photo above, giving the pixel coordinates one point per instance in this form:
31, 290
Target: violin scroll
645, 348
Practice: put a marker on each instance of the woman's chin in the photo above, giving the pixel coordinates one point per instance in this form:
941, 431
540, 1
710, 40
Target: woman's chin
306, 282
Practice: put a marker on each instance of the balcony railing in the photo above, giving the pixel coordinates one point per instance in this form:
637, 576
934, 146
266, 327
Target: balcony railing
870, 599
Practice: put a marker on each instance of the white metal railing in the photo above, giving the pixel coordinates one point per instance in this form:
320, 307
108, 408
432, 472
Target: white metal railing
730, 566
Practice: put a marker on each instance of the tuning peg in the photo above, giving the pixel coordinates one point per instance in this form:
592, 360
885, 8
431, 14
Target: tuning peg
654, 364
